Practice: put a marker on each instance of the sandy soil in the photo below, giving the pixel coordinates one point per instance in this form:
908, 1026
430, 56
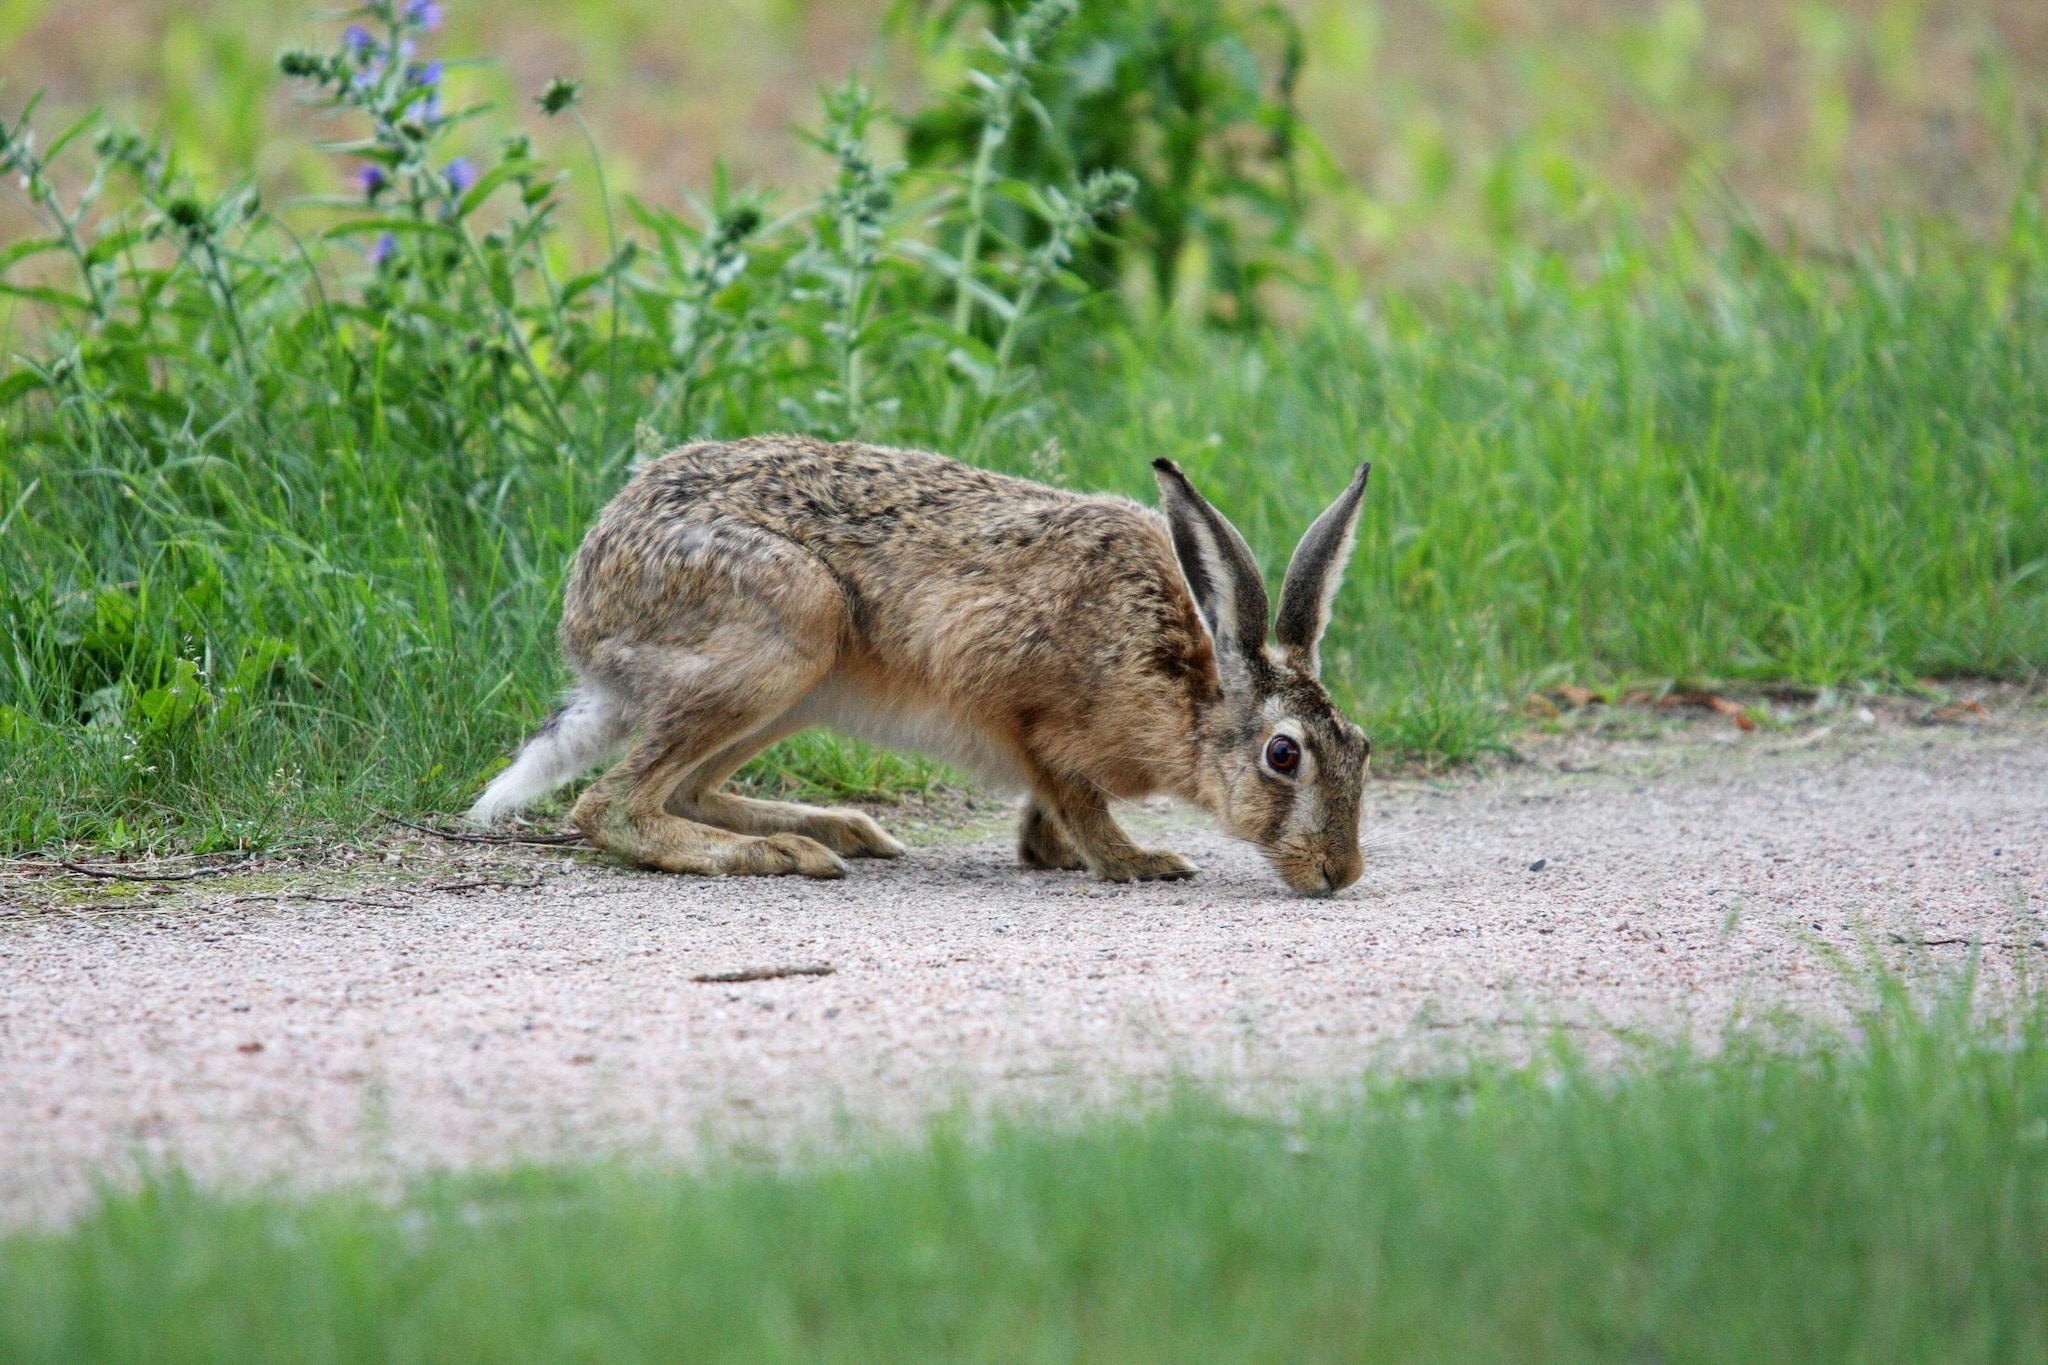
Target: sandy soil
251, 1033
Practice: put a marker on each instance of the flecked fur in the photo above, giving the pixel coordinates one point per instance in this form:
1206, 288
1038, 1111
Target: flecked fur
736, 592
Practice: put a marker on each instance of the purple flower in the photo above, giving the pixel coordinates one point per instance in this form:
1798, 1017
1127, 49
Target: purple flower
356, 39
372, 180
425, 14
385, 247
430, 74
461, 174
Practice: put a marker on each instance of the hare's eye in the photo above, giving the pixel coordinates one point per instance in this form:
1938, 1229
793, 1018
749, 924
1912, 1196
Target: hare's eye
1283, 755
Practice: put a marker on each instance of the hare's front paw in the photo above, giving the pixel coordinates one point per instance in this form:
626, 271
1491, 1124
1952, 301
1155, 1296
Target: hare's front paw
1146, 865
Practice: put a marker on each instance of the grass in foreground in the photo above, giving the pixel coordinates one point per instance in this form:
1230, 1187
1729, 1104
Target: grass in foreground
1876, 1200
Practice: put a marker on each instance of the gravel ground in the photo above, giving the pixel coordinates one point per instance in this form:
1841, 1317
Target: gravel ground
1610, 886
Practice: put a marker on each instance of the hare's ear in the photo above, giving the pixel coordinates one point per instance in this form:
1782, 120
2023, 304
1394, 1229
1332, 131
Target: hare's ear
1219, 568
1315, 573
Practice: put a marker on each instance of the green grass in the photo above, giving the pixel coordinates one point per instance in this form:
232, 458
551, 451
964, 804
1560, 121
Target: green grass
1766, 469
1761, 468
1875, 1198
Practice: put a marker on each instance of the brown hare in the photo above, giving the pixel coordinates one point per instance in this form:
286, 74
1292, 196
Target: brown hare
1078, 647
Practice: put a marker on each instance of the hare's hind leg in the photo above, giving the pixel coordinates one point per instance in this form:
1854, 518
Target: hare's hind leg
742, 632
848, 832
625, 811
1042, 845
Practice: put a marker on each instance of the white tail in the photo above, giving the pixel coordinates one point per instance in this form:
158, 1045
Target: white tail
586, 730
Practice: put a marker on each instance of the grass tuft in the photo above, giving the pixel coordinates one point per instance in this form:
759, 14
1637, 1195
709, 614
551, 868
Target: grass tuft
1875, 1197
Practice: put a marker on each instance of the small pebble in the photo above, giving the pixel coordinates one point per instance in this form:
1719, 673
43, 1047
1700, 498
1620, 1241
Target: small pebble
1539, 864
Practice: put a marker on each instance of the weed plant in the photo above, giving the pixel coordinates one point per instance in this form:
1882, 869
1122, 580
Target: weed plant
281, 508
286, 498
1875, 1199
1195, 98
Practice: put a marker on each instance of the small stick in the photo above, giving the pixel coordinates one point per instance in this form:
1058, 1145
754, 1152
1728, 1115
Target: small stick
765, 973
282, 896
108, 874
456, 888
44, 860
457, 837
1967, 942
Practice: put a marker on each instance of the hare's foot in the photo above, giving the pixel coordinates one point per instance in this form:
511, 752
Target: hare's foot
1082, 812
1043, 846
1146, 865
847, 832
774, 855
674, 844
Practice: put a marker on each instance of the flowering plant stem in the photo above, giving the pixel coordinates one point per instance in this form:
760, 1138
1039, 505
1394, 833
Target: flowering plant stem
611, 241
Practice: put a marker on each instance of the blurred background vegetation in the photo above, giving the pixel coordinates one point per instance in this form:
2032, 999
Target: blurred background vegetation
1438, 130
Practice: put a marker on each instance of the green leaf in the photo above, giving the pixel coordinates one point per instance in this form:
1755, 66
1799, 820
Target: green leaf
64, 139
177, 700
112, 245
489, 181
367, 227
20, 384
34, 246
56, 298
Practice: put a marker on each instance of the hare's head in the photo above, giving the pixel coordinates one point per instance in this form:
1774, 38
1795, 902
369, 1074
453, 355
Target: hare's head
1281, 766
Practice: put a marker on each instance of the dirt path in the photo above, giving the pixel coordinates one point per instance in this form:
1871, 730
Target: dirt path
395, 1028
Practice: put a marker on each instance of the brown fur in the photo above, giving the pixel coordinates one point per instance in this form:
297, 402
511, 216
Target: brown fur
735, 592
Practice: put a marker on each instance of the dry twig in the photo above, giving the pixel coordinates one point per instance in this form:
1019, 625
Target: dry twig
457, 888
278, 897
765, 973
109, 874
1968, 942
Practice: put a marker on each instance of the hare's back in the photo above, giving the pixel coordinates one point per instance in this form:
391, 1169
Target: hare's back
864, 509
808, 488
934, 578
